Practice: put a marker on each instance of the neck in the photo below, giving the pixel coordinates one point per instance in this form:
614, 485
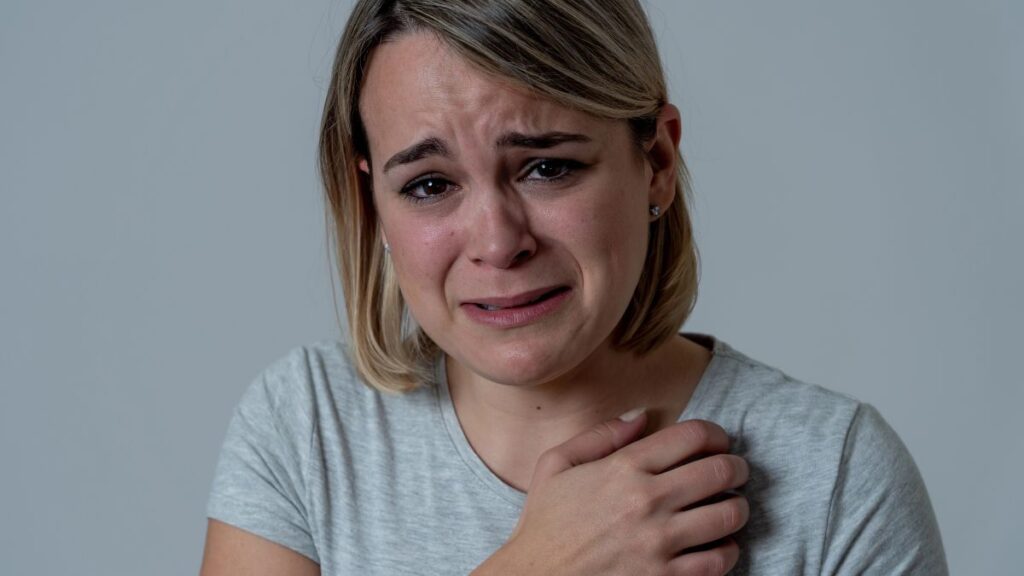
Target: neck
509, 426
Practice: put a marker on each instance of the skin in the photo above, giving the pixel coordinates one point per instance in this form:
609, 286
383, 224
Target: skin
231, 551
495, 223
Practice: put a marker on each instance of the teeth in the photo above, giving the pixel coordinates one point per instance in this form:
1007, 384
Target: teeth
488, 307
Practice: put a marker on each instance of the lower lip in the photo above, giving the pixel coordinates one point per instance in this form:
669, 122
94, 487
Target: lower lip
519, 316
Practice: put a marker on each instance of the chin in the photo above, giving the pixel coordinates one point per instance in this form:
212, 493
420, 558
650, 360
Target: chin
526, 366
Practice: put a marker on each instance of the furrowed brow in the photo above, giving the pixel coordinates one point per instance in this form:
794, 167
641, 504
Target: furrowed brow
541, 141
428, 147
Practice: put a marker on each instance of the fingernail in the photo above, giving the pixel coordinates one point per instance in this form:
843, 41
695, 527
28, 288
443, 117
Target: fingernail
632, 414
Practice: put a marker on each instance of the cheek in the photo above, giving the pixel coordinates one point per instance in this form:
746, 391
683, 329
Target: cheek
607, 234
421, 255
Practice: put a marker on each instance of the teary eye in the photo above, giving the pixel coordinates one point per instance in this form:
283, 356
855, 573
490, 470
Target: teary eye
426, 189
552, 169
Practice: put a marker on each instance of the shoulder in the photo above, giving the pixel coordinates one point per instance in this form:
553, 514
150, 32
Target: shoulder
753, 393
315, 390
830, 479
791, 432
305, 368
303, 413
309, 373
265, 481
283, 397
290, 395
805, 415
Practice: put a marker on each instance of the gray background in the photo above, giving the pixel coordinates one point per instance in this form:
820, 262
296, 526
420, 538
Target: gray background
162, 240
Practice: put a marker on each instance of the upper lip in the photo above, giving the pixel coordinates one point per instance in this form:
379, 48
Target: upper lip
516, 300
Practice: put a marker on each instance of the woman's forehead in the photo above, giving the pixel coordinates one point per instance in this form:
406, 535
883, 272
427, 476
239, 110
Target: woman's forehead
416, 86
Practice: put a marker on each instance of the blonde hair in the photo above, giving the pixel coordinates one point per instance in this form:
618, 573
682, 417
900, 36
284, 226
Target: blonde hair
596, 56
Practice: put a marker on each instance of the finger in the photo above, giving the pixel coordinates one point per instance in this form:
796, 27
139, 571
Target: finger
701, 479
671, 446
713, 562
593, 444
708, 523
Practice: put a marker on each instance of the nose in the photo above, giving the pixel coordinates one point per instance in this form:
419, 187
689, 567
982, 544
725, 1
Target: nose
499, 231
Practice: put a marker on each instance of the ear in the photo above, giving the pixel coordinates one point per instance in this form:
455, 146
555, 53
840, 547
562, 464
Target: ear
363, 166
663, 155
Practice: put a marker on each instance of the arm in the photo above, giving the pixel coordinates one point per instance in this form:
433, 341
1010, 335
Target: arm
259, 510
232, 551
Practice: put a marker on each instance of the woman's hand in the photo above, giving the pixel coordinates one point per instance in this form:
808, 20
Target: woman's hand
606, 503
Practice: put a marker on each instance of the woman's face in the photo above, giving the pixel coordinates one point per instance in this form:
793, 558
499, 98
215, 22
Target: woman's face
517, 227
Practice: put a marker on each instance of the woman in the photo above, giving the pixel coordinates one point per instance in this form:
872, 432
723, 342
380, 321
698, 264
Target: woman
516, 254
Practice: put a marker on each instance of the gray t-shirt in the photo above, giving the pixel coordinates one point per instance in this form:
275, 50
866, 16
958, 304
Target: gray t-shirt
370, 483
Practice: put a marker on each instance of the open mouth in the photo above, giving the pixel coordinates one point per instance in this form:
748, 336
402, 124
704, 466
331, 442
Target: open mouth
545, 296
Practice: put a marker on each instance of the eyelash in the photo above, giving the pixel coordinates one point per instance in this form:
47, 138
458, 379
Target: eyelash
568, 168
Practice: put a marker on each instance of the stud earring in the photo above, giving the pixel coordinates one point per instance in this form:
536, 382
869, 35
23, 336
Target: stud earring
387, 248
655, 210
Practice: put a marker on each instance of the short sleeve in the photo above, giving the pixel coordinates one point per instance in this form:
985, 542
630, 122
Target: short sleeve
260, 482
881, 519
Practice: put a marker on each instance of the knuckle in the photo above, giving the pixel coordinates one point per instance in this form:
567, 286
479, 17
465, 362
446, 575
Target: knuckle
725, 469
730, 554
550, 459
714, 563
720, 560
549, 456
743, 468
648, 542
728, 470
696, 432
606, 429
640, 503
639, 546
654, 495
667, 546
735, 513
744, 507
624, 462
660, 494
603, 431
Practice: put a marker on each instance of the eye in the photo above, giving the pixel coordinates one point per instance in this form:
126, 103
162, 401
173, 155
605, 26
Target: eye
427, 189
551, 169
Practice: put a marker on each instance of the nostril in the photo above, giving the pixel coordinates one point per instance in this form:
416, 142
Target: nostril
522, 255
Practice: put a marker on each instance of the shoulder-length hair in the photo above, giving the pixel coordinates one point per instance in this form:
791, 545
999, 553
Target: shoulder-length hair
596, 56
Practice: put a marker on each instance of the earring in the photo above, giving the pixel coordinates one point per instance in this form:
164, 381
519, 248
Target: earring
655, 211
387, 248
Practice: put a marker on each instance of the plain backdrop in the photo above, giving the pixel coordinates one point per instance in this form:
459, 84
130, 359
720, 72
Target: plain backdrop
858, 207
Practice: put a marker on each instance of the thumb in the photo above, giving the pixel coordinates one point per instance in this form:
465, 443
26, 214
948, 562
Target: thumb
593, 444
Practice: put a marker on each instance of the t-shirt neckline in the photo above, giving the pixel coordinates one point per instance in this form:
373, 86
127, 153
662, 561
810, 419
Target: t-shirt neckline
498, 486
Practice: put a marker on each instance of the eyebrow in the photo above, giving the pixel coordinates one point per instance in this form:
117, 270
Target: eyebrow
430, 147
540, 141
434, 146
